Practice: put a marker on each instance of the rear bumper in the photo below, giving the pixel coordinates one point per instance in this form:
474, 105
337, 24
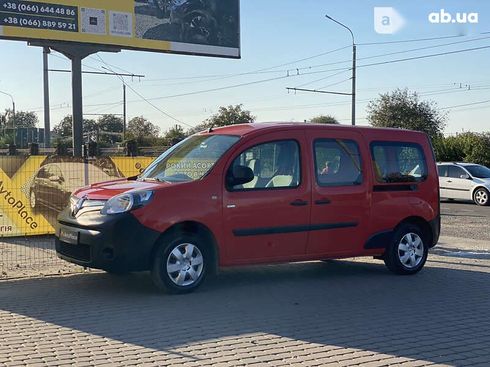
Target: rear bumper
435, 226
108, 242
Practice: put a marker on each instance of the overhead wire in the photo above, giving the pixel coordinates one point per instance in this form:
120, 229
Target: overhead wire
147, 101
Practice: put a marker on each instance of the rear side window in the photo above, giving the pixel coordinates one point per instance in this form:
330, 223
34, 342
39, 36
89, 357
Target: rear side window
398, 162
337, 162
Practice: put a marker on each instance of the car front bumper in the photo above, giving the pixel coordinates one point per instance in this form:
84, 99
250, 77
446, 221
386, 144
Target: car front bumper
109, 242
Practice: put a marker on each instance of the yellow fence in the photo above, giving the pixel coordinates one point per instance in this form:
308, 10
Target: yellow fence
33, 190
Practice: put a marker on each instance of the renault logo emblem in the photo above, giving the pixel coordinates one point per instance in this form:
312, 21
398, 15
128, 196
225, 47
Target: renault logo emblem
79, 205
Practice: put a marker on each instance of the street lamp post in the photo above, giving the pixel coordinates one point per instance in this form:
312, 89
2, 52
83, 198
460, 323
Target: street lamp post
353, 68
13, 110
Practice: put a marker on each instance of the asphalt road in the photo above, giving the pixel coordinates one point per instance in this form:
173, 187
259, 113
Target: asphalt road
468, 209
466, 221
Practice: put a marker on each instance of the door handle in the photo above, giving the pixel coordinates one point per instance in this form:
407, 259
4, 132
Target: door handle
449, 181
323, 201
298, 202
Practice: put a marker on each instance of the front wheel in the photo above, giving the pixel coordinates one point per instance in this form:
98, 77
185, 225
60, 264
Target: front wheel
480, 197
408, 251
180, 264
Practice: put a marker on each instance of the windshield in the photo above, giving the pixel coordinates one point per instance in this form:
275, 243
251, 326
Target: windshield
189, 160
479, 171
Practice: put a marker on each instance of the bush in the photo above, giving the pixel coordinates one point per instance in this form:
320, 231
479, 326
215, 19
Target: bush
466, 147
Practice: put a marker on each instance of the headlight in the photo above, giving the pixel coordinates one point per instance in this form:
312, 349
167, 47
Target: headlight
126, 202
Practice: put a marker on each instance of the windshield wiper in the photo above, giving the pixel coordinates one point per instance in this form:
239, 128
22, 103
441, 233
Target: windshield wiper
151, 179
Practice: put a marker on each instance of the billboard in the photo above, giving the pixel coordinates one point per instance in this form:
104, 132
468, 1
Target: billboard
197, 27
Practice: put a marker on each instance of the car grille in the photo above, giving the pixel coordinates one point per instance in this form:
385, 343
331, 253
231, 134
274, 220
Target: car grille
77, 252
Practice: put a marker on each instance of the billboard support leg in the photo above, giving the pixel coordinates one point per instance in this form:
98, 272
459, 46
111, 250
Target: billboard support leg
77, 118
47, 123
76, 53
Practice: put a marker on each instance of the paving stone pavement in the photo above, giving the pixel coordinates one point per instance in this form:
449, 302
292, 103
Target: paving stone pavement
341, 313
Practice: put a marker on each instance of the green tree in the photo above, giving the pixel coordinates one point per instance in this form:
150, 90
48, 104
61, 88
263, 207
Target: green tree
22, 119
466, 147
230, 115
403, 109
174, 135
65, 127
110, 129
142, 130
324, 119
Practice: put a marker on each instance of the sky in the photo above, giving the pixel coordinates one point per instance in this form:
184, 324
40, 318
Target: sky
284, 43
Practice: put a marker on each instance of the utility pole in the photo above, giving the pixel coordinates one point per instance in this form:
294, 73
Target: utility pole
353, 67
353, 92
124, 111
47, 122
353, 82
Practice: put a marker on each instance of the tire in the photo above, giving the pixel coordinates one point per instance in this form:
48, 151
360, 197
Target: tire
408, 250
180, 264
481, 197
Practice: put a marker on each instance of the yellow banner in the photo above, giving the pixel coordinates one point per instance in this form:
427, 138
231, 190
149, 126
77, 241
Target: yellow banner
33, 190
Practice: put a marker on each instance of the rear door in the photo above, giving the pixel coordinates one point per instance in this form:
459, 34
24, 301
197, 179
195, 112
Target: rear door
340, 200
268, 219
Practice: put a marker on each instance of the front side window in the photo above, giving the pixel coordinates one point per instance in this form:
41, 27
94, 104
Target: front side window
442, 171
337, 162
274, 165
189, 160
398, 162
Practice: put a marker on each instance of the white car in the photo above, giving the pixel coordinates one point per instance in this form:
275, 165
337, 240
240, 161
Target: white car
464, 181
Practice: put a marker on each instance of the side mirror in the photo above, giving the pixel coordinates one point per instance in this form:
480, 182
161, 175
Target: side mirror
465, 176
239, 175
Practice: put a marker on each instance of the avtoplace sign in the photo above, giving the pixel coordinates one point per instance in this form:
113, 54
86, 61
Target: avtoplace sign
199, 27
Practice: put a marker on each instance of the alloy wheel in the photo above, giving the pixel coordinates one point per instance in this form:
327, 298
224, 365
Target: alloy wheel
481, 197
185, 264
410, 250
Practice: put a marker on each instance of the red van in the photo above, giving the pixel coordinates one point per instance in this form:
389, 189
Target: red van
261, 193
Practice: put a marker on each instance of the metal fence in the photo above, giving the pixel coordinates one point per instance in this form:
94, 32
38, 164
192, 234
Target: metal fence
33, 190
31, 256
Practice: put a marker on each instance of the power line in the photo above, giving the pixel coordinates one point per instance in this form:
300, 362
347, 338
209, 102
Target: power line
392, 53
424, 56
145, 99
318, 72
327, 77
409, 40
465, 105
258, 71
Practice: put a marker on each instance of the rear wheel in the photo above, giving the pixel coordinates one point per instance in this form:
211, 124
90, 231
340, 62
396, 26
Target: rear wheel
481, 197
408, 251
180, 264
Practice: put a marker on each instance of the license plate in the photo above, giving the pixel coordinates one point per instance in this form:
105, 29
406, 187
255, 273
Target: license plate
69, 236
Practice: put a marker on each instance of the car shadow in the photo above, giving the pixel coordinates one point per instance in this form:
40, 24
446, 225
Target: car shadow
344, 304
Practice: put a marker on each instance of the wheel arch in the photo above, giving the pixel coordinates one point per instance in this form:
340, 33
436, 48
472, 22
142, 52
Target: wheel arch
478, 187
421, 223
193, 228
